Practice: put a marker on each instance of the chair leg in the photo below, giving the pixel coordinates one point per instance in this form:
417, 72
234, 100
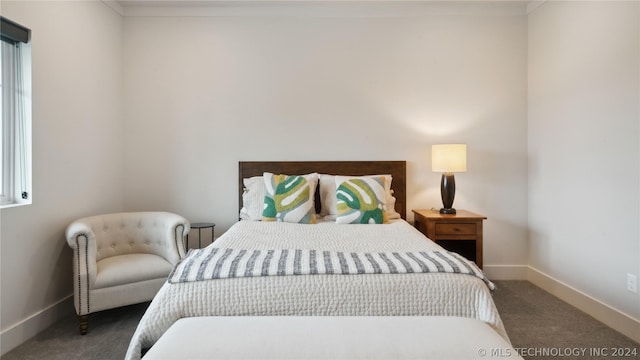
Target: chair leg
84, 324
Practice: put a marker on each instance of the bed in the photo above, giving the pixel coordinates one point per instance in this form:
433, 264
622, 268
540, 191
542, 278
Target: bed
320, 269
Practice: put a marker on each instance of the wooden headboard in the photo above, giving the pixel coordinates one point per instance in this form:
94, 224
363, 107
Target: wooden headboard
397, 169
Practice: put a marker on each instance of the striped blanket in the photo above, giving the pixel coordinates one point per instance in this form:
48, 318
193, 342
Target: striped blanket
220, 263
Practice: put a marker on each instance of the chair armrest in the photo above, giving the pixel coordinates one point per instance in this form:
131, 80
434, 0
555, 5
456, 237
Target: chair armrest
176, 228
82, 240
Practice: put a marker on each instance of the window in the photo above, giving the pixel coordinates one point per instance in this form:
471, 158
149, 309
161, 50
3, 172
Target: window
15, 132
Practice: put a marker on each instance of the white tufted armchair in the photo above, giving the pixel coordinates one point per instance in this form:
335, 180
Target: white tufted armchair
122, 259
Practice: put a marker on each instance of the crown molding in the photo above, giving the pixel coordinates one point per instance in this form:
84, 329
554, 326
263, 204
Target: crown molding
115, 5
533, 5
316, 8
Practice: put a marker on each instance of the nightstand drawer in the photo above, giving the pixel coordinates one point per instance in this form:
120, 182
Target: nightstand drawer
455, 229
460, 232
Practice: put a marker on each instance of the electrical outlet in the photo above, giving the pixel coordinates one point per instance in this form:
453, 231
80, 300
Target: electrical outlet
632, 283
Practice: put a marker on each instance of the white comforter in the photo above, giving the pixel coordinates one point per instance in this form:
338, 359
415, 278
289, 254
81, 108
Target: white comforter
320, 295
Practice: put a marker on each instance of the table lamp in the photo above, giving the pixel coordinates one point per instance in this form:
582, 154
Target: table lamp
447, 159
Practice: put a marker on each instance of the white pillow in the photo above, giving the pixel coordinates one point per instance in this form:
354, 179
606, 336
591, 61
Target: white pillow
252, 198
327, 195
328, 198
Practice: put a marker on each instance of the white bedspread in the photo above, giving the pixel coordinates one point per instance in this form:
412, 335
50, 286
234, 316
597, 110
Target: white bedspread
320, 295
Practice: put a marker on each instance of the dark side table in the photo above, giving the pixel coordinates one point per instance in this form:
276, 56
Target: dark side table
199, 227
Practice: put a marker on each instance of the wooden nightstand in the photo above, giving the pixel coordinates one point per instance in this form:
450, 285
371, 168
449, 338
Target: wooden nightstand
461, 232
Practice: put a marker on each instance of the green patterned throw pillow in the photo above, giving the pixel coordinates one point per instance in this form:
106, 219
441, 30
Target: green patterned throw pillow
361, 200
289, 198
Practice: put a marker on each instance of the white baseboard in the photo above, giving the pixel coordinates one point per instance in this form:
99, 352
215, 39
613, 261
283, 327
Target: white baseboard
604, 313
18, 333
506, 272
619, 321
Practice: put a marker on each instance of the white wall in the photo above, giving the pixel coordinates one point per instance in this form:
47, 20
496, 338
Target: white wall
584, 146
200, 93
77, 155
204, 92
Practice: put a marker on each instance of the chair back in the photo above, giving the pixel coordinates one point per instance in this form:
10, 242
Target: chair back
133, 233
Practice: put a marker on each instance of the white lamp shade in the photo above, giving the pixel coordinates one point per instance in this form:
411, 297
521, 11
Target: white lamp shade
448, 158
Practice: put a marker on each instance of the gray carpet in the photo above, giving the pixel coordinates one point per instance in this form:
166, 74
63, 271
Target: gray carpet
109, 335
534, 320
